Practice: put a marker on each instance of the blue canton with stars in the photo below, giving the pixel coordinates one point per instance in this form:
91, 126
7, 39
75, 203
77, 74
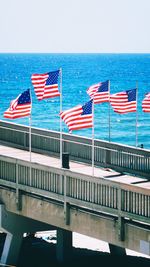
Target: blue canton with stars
87, 108
52, 78
131, 95
103, 87
25, 97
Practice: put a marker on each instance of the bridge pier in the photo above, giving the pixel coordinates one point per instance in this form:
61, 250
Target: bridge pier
15, 226
64, 245
11, 248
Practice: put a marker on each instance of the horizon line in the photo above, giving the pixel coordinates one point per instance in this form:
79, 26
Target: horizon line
39, 52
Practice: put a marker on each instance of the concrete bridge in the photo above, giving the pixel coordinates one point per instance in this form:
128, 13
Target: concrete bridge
37, 194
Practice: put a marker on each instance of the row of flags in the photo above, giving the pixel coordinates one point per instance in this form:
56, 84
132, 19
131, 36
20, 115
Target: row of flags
80, 116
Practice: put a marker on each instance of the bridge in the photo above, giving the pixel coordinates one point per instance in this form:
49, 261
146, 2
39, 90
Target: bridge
37, 193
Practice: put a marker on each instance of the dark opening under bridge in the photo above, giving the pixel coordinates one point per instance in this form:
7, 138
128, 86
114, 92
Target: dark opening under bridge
36, 193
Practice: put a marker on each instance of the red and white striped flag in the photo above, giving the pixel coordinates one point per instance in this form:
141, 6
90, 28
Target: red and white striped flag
46, 85
124, 102
78, 117
99, 92
19, 107
146, 103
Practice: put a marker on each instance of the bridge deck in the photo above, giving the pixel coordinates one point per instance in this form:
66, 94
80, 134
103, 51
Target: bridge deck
75, 166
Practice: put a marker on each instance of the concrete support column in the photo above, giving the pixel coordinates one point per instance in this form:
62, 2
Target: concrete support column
14, 226
64, 245
115, 250
11, 248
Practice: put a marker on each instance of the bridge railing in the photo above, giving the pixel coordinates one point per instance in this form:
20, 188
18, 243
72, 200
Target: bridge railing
96, 194
106, 154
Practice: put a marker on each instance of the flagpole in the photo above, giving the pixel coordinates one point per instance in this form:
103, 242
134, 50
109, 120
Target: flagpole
60, 118
136, 127
93, 138
30, 122
30, 136
109, 109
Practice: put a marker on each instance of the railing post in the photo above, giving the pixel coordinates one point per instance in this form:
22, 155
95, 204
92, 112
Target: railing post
30, 175
121, 226
108, 157
24, 134
18, 196
66, 204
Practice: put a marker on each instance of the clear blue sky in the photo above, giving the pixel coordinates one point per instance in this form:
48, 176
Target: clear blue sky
75, 26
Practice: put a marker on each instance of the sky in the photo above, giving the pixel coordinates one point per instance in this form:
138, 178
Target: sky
75, 26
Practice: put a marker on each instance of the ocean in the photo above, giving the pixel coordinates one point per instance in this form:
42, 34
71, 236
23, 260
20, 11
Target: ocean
79, 71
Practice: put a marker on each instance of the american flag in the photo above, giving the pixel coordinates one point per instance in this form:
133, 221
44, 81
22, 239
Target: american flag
19, 107
124, 102
99, 92
46, 85
78, 117
146, 103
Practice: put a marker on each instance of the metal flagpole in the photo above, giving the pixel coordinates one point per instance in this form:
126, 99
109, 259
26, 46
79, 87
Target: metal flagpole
109, 109
93, 138
136, 127
60, 118
30, 122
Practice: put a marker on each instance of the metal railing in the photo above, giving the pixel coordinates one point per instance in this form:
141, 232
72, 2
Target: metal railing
98, 194
106, 154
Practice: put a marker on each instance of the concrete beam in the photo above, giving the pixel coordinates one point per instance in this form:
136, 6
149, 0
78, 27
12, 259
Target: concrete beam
14, 223
105, 228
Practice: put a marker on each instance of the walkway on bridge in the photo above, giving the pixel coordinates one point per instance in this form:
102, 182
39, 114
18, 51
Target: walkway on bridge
74, 166
113, 205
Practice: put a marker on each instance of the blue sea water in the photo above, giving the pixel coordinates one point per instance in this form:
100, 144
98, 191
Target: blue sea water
79, 71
